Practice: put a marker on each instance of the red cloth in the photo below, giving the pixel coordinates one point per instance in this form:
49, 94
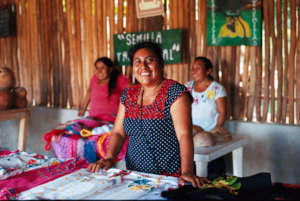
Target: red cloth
48, 136
101, 106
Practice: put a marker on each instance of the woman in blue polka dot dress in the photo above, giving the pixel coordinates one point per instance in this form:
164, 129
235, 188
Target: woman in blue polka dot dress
156, 116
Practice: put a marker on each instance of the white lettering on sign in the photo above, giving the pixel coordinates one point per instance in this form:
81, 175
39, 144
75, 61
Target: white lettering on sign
132, 38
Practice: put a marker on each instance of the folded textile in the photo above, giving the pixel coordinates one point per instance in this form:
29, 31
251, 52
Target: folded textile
102, 129
75, 138
74, 128
66, 147
48, 137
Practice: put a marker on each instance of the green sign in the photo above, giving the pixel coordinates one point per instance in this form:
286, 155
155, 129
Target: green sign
232, 22
169, 40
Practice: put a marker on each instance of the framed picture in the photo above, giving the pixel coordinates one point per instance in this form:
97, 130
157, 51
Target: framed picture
233, 23
149, 8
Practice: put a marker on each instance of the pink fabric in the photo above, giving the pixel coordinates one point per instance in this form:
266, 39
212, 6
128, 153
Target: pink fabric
66, 147
7, 152
74, 139
27, 180
89, 122
104, 107
62, 148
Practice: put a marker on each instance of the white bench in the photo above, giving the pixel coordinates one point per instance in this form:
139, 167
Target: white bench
203, 155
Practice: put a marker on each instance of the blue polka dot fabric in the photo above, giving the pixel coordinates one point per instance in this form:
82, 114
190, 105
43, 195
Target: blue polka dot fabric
153, 146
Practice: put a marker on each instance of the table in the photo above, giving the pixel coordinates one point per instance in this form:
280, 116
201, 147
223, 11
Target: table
203, 155
22, 114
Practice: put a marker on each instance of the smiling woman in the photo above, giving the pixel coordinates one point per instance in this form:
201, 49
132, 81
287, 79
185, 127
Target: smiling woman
106, 87
208, 111
156, 116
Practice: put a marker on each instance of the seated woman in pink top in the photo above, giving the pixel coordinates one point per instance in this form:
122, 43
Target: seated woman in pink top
106, 87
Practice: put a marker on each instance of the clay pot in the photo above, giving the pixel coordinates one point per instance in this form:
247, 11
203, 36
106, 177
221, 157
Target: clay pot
7, 78
20, 97
6, 99
21, 92
21, 102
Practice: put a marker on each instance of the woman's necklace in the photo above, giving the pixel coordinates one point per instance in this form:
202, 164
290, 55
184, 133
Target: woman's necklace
142, 99
150, 97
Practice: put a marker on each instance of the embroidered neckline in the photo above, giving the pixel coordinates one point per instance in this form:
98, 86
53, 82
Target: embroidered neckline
152, 111
156, 97
203, 92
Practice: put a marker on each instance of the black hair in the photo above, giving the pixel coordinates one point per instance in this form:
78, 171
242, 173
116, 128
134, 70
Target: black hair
114, 73
207, 63
152, 46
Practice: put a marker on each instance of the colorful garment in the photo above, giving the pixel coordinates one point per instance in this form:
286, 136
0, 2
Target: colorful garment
204, 107
153, 146
104, 107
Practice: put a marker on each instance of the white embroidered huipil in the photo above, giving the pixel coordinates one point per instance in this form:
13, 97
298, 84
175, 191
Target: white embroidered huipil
204, 107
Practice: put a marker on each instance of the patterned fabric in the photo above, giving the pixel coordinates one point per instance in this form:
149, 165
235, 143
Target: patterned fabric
153, 146
108, 108
113, 184
204, 108
66, 147
9, 188
14, 163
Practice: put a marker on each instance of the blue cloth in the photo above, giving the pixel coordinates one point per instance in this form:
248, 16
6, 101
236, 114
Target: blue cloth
89, 152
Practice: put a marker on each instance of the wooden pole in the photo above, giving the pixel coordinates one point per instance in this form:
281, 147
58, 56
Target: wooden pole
267, 61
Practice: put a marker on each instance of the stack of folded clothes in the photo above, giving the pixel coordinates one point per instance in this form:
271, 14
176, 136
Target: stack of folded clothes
86, 138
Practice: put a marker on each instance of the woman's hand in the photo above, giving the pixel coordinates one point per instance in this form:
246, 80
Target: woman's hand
81, 112
103, 163
195, 181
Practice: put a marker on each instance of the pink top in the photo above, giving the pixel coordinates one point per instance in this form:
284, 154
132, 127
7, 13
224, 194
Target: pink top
101, 106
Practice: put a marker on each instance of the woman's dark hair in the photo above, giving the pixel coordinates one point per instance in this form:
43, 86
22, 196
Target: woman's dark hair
152, 46
114, 73
207, 63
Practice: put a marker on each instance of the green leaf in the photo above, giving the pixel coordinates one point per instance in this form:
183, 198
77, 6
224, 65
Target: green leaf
237, 186
217, 179
231, 180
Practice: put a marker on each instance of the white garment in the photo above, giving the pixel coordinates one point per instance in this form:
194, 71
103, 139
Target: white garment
102, 129
204, 107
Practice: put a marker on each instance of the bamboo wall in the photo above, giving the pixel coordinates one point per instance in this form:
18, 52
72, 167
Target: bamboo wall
58, 40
